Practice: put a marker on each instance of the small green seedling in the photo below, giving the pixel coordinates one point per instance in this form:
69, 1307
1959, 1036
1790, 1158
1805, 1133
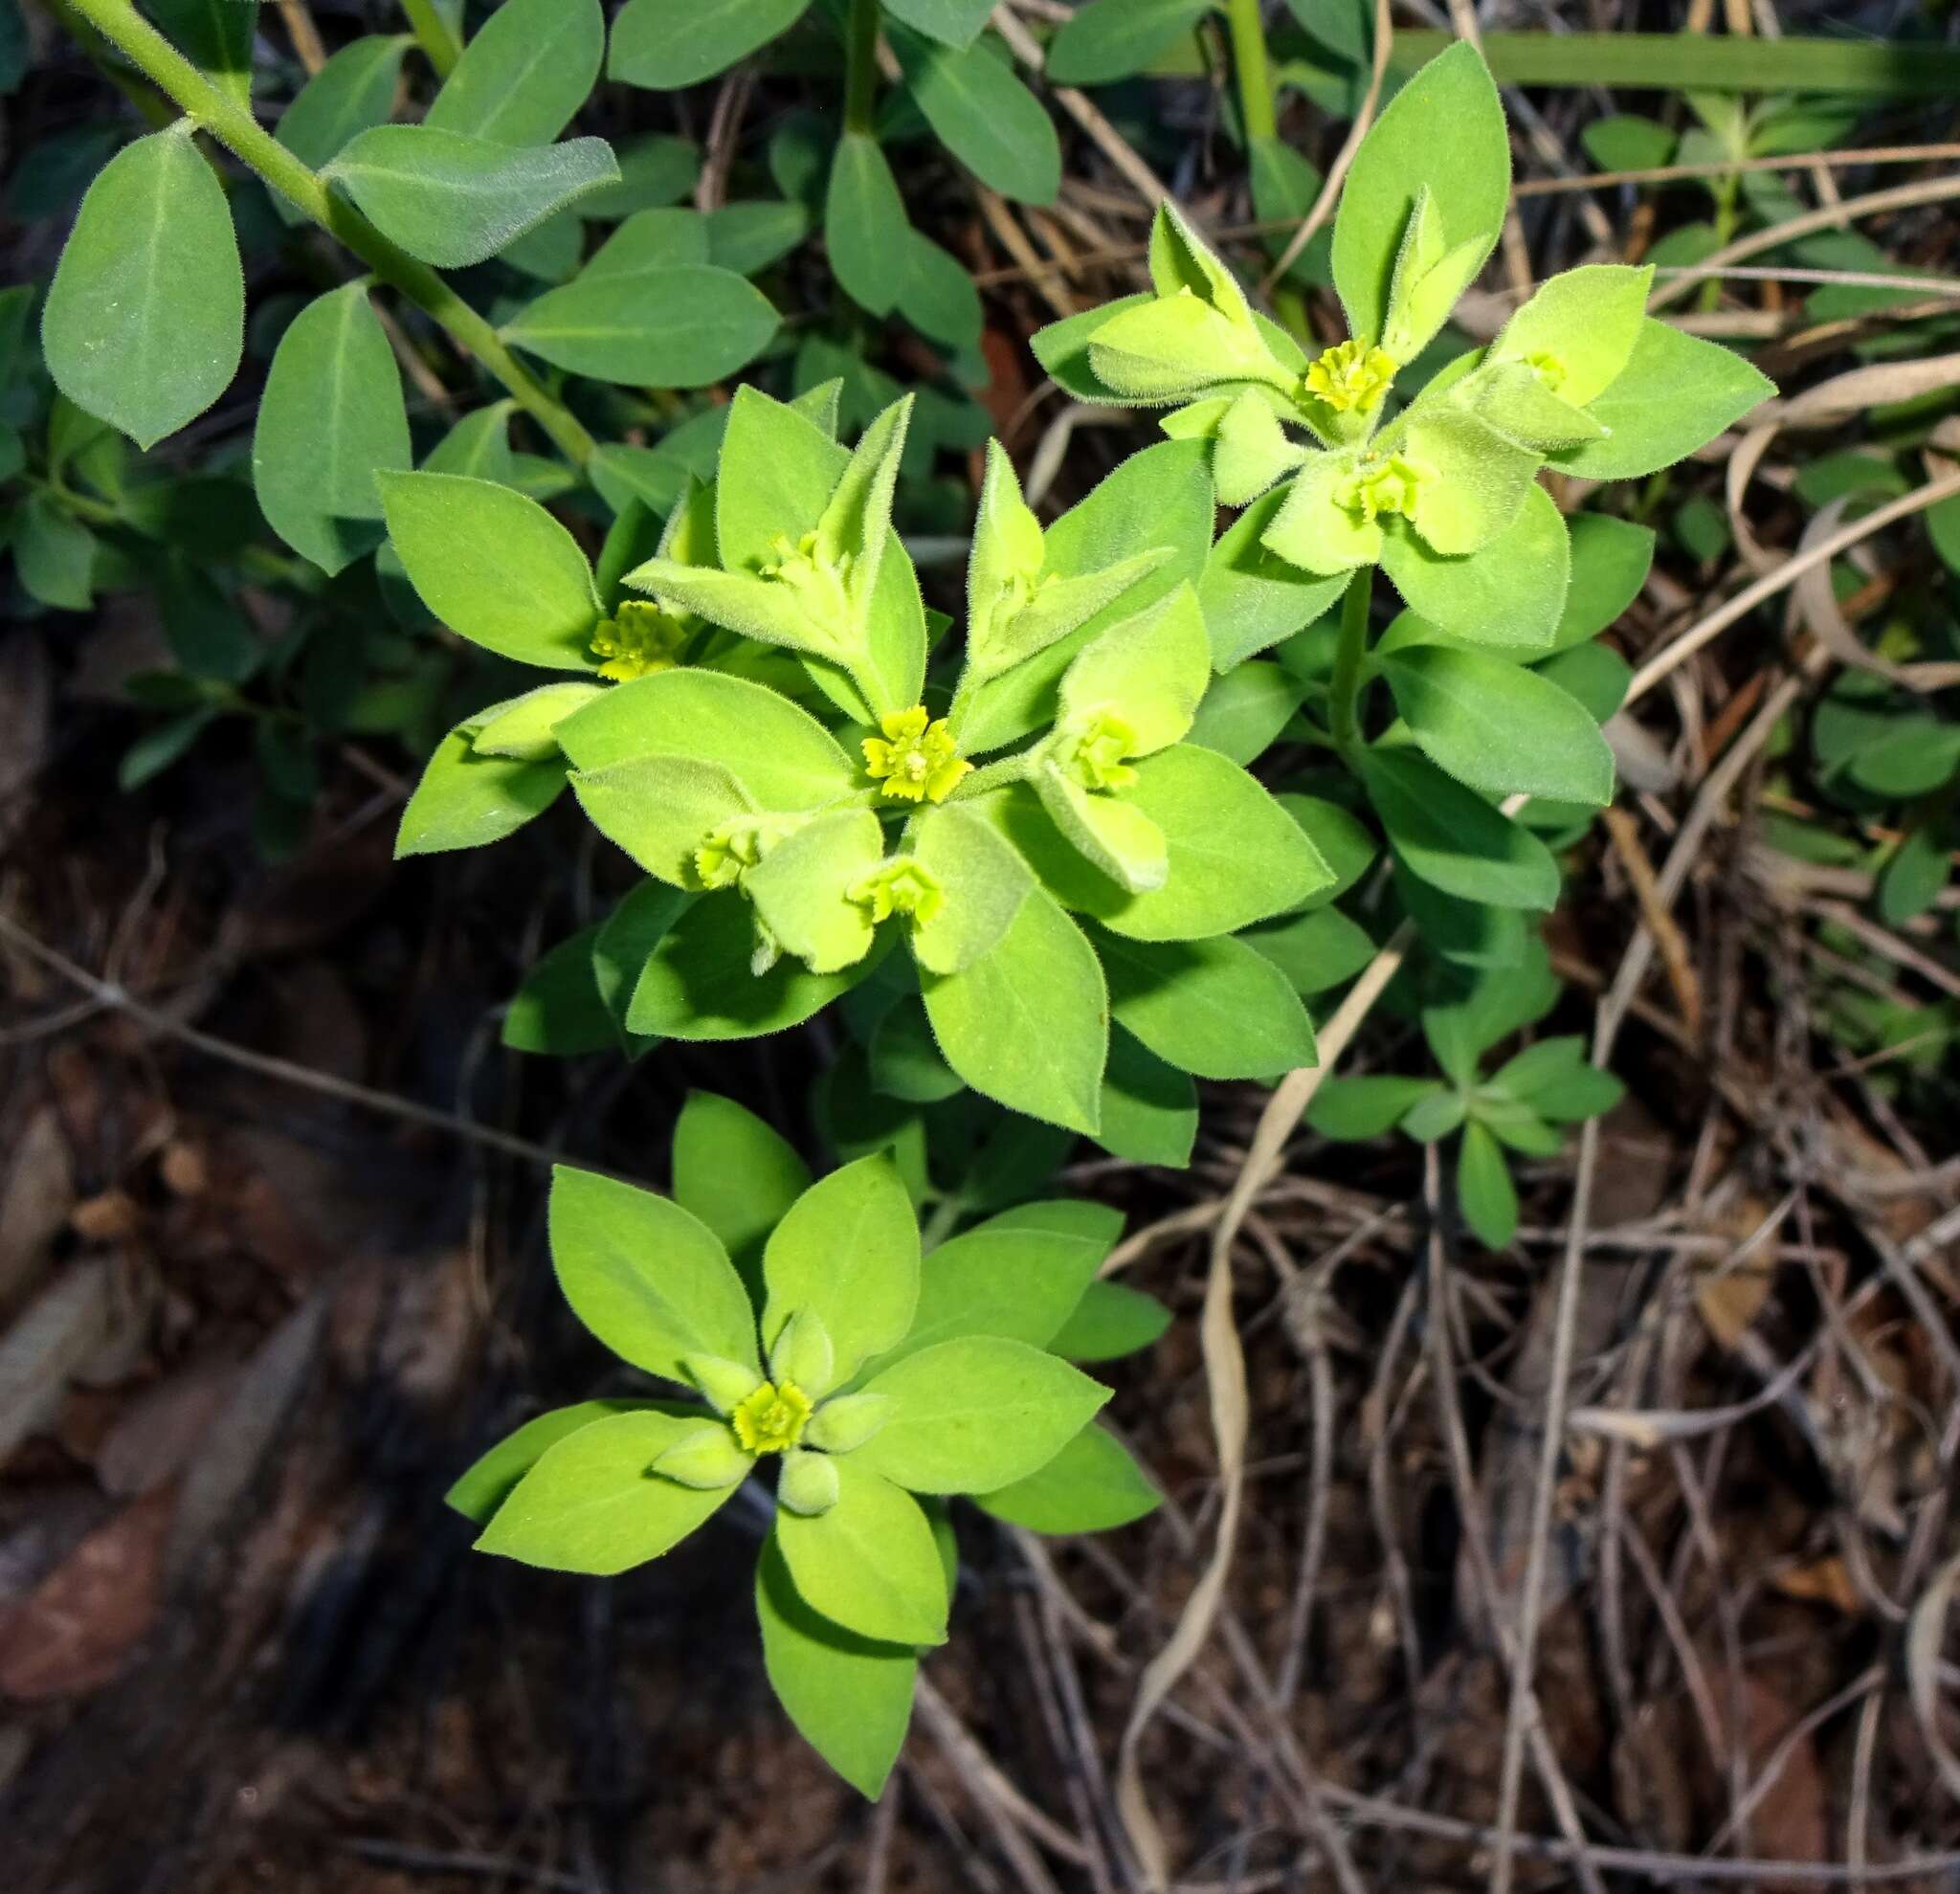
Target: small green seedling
1519, 1106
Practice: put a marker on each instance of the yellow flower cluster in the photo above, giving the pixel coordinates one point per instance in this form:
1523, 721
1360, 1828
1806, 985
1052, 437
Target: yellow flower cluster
1351, 375
1384, 484
903, 886
772, 1420
917, 759
638, 639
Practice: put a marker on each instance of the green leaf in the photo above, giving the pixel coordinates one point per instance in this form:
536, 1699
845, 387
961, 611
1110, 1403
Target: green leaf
592, 1503
331, 419
157, 749
1110, 40
801, 888
664, 47
466, 799
936, 293
55, 556
495, 567
550, 251
1316, 950
1451, 838
1623, 142
144, 323
986, 117
1484, 1192
679, 327
1468, 934
737, 1174
1555, 1080
1444, 130
698, 983
1914, 756
1343, 841
1244, 711
1583, 324
1093, 1484
627, 937
862, 221
352, 93
984, 883
747, 238
1676, 393
659, 239
651, 1282
1124, 844
1213, 1008
1435, 1117
1110, 1322
1498, 1003
1350, 1109
559, 1009
1158, 500
1235, 855
653, 171
1509, 592
1149, 1109
1594, 675
1498, 726
849, 1697
215, 35
905, 1061
1150, 668
1252, 597
1028, 1022
523, 77
778, 471
1010, 1275
491, 1479
778, 752
1610, 560
478, 447
870, 1562
975, 1414
847, 1252
1063, 348
660, 809
954, 23
1915, 876
452, 200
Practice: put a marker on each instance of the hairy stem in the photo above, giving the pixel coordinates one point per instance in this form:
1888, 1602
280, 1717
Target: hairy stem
1253, 68
235, 127
1343, 692
860, 68
434, 35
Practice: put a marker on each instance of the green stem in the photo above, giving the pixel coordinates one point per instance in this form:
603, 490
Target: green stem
1253, 67
94, 512
436, 36
233, 127
860, 68
1343, 691
991, 776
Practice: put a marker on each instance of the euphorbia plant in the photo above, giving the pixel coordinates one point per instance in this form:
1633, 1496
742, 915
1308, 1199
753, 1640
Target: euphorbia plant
1032, 864
1058, 822
824, 1356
